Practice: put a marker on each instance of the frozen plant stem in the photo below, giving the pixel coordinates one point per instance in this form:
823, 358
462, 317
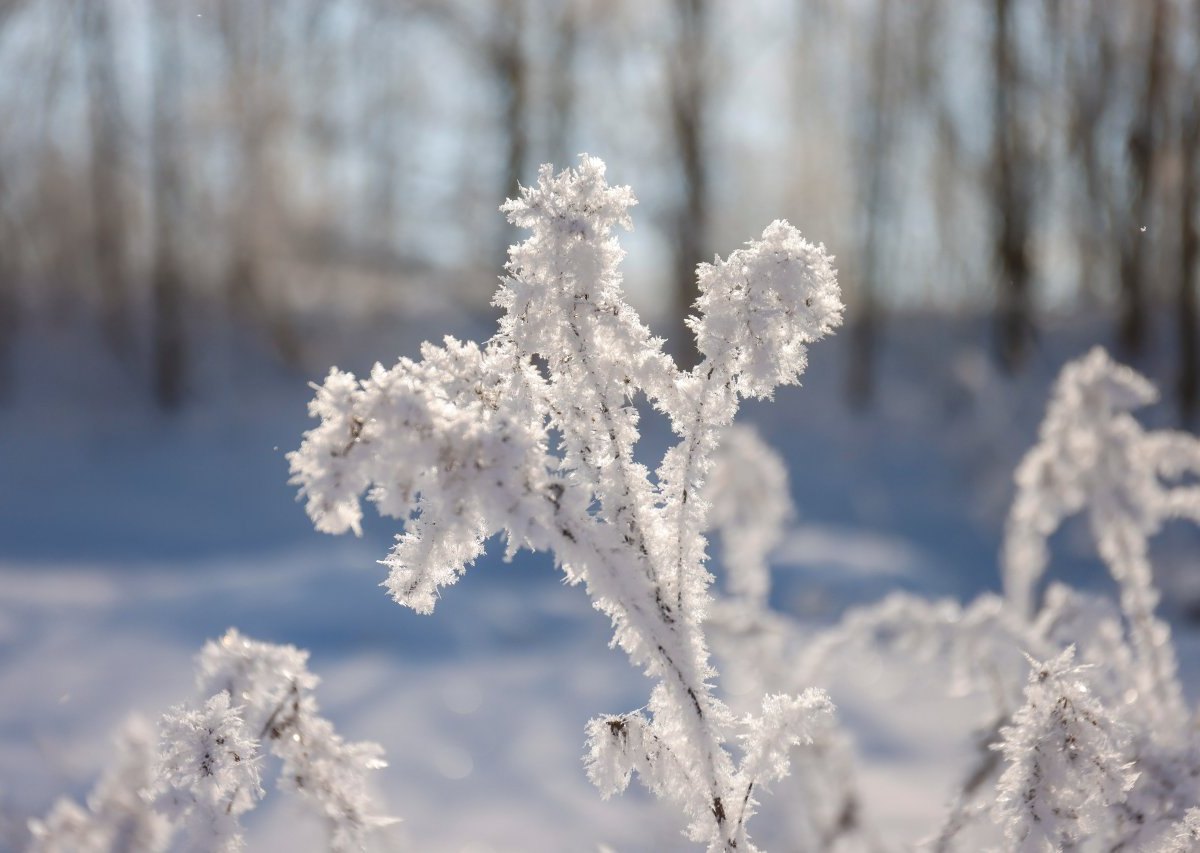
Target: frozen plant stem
458, 446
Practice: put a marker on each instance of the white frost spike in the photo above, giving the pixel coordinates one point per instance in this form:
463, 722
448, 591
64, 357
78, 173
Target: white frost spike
1067, 765
764, 655
975, 648
786, 722
1185, 836
458, 446
68, 828
210, 771
263, 676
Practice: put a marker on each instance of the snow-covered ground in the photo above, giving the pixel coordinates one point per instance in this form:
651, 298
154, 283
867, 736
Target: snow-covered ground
125, 542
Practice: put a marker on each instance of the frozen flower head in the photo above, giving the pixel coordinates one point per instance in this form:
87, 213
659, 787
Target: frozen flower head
259, 677
764, 304
209, 770
208, 755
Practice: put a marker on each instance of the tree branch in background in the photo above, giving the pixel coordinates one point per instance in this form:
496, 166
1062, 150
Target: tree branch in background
109, 225
864, 326
167, 277
476, 440
1143, 148
1011, 199
688, 80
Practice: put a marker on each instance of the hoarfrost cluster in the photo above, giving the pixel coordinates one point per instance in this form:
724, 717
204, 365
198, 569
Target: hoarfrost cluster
186, 786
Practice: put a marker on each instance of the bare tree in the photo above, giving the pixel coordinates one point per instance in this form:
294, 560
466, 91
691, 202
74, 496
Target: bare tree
505, 50
562, 82
497, 37
109, 227
688, 72
9, 303
252, 58
1188, 275
1011, 198
1092, 66
507, 55
864, 327
1144, 145
167, 279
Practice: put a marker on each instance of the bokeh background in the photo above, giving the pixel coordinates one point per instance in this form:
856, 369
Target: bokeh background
206, 203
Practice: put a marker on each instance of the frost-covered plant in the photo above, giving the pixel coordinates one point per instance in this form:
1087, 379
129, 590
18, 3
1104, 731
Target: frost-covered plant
203, 770
1066, 758
750, 508
1093, 457
1102, 755
209, 768
532, 435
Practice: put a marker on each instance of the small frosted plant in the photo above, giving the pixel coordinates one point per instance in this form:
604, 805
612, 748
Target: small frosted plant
1102, 755
532, 435
1094, 457
203, 771
1066, 761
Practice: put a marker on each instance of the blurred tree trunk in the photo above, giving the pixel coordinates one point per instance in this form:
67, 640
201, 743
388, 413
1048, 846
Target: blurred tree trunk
10, 267
562, 84
1188, 388
498, 37
688, 98
9, 303
509, 58
1010, 198
243, 29
9, 326
506, 52
1143, 147
383, 132
107, 199
865, 318
167, 278
1091, 78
